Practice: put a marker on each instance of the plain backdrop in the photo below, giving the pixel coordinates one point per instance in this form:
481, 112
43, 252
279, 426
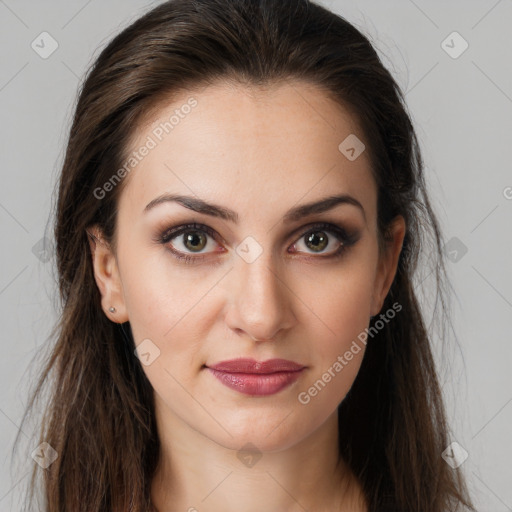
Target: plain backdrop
461, 105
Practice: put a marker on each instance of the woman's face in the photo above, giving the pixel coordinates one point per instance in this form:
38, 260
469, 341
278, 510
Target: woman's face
259, 282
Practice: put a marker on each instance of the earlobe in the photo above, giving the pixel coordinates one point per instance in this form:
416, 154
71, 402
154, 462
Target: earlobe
106, 275
388, 263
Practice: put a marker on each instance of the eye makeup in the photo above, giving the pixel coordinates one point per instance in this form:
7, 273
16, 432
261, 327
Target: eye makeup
346, 240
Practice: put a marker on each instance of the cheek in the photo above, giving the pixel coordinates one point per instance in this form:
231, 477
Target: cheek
338, 302
337, 331
339, 311
160, 296
175, 309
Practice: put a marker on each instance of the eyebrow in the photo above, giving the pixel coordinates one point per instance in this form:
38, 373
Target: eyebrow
294, 214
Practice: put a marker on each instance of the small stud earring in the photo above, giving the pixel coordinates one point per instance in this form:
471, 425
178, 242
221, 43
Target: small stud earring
112, 309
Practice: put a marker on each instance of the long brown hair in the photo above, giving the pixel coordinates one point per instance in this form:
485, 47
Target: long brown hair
99, 416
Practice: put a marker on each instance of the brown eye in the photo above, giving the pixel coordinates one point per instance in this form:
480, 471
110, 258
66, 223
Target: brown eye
188, 239
326, 240
194, 240
317, 241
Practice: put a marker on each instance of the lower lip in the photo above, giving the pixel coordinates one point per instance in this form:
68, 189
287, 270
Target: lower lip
257, 384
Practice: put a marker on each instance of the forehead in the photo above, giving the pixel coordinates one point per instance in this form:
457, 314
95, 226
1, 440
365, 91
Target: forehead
274, 145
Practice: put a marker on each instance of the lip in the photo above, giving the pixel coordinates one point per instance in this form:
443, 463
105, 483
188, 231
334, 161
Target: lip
246, 365
257, 378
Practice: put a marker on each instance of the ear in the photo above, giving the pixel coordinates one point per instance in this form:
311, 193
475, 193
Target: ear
107, 276
388, 263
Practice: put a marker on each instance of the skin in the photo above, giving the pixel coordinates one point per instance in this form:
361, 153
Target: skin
258, 151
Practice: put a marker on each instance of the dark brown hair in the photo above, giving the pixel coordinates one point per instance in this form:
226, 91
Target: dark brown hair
100, 412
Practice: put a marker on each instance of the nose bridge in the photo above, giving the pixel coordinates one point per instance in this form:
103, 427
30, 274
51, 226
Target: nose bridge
260, 304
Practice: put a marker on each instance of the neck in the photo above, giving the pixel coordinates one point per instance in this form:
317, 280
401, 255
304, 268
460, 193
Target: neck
197, 474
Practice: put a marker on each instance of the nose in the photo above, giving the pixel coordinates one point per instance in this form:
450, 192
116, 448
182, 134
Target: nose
260, 302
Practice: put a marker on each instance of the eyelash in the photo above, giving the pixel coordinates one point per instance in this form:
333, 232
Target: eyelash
347, 240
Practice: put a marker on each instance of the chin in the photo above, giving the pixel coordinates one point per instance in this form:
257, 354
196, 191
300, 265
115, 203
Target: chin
260, 435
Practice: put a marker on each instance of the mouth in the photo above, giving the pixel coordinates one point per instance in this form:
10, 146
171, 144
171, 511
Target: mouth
256, 378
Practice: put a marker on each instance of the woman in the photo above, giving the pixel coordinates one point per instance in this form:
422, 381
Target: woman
240, 215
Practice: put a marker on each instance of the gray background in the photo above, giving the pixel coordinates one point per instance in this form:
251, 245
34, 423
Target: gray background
462, 109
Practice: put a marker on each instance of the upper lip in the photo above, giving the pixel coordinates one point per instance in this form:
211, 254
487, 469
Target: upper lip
244, 365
